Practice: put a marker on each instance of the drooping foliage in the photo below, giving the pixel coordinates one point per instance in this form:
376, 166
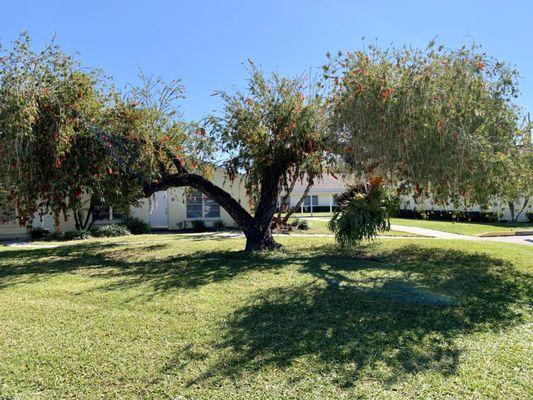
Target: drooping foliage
70, 141
56, 128
362, 212
436, 121
517, 188
440, 122
276, 127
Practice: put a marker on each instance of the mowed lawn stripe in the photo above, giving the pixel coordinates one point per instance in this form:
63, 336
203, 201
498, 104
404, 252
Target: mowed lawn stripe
126, 318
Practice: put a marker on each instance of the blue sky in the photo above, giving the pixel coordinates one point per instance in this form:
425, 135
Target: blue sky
205, 43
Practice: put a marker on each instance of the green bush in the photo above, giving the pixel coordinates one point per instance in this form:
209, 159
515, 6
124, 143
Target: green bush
54, 237
182, 225
75, 235
39, 233
198, 225
136, 226
529, 216
219, 224
303, 225
295, 222
364, 210
112, 230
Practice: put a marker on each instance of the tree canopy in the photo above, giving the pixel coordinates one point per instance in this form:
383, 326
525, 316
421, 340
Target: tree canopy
438, 121
433, 121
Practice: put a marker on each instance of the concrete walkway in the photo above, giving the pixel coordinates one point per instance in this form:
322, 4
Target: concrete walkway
428, 234
432, 233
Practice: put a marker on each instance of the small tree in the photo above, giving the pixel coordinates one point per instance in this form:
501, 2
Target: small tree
66, 139
439, 122
274, 130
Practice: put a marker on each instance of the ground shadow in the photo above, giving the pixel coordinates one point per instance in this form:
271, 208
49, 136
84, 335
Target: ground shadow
401, 316
128, 267
377, 315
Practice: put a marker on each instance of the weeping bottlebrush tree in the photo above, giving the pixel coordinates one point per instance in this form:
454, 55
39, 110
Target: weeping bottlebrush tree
273, 131
70, 143
435, 122
64, 135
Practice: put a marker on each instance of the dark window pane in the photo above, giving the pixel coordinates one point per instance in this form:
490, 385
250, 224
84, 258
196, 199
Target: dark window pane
104, 214
211, 209
194, 214
117, 215
194, 210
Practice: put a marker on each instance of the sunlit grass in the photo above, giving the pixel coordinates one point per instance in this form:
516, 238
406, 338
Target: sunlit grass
161, 316
464, 228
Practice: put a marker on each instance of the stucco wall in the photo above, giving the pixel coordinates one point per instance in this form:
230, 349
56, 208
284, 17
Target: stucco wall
10, 231
177, 207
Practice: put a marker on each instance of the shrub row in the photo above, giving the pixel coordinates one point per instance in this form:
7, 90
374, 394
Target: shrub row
443, 215
129, 226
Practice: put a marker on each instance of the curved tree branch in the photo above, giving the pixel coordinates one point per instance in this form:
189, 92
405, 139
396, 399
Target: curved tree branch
295, 208
223, 198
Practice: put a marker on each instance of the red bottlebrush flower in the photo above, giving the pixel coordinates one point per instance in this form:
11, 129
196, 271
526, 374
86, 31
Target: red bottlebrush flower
387, 92
57, 163
110, 171
375, 181
480, 65
359, 88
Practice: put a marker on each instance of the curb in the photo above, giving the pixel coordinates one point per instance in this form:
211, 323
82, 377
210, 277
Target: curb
503, 234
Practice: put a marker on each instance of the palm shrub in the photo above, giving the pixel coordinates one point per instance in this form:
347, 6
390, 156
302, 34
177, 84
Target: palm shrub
363, 211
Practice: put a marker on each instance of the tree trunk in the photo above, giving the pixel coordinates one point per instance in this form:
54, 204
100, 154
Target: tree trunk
298, 204
259, 232
526, 201
259, 237
257, 229
511, 209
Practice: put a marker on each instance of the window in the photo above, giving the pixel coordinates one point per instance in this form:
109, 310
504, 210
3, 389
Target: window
7, 209
109, 214
311, 200
201, 206
309, 203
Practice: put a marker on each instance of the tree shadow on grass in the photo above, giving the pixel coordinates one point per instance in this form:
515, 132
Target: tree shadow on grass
379, 319
358, 317
123, 268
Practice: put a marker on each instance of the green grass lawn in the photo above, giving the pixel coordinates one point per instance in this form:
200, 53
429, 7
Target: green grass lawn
464, 228
162, 316
319, 226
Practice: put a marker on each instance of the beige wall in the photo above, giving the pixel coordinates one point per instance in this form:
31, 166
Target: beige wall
11, 231
177, 208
